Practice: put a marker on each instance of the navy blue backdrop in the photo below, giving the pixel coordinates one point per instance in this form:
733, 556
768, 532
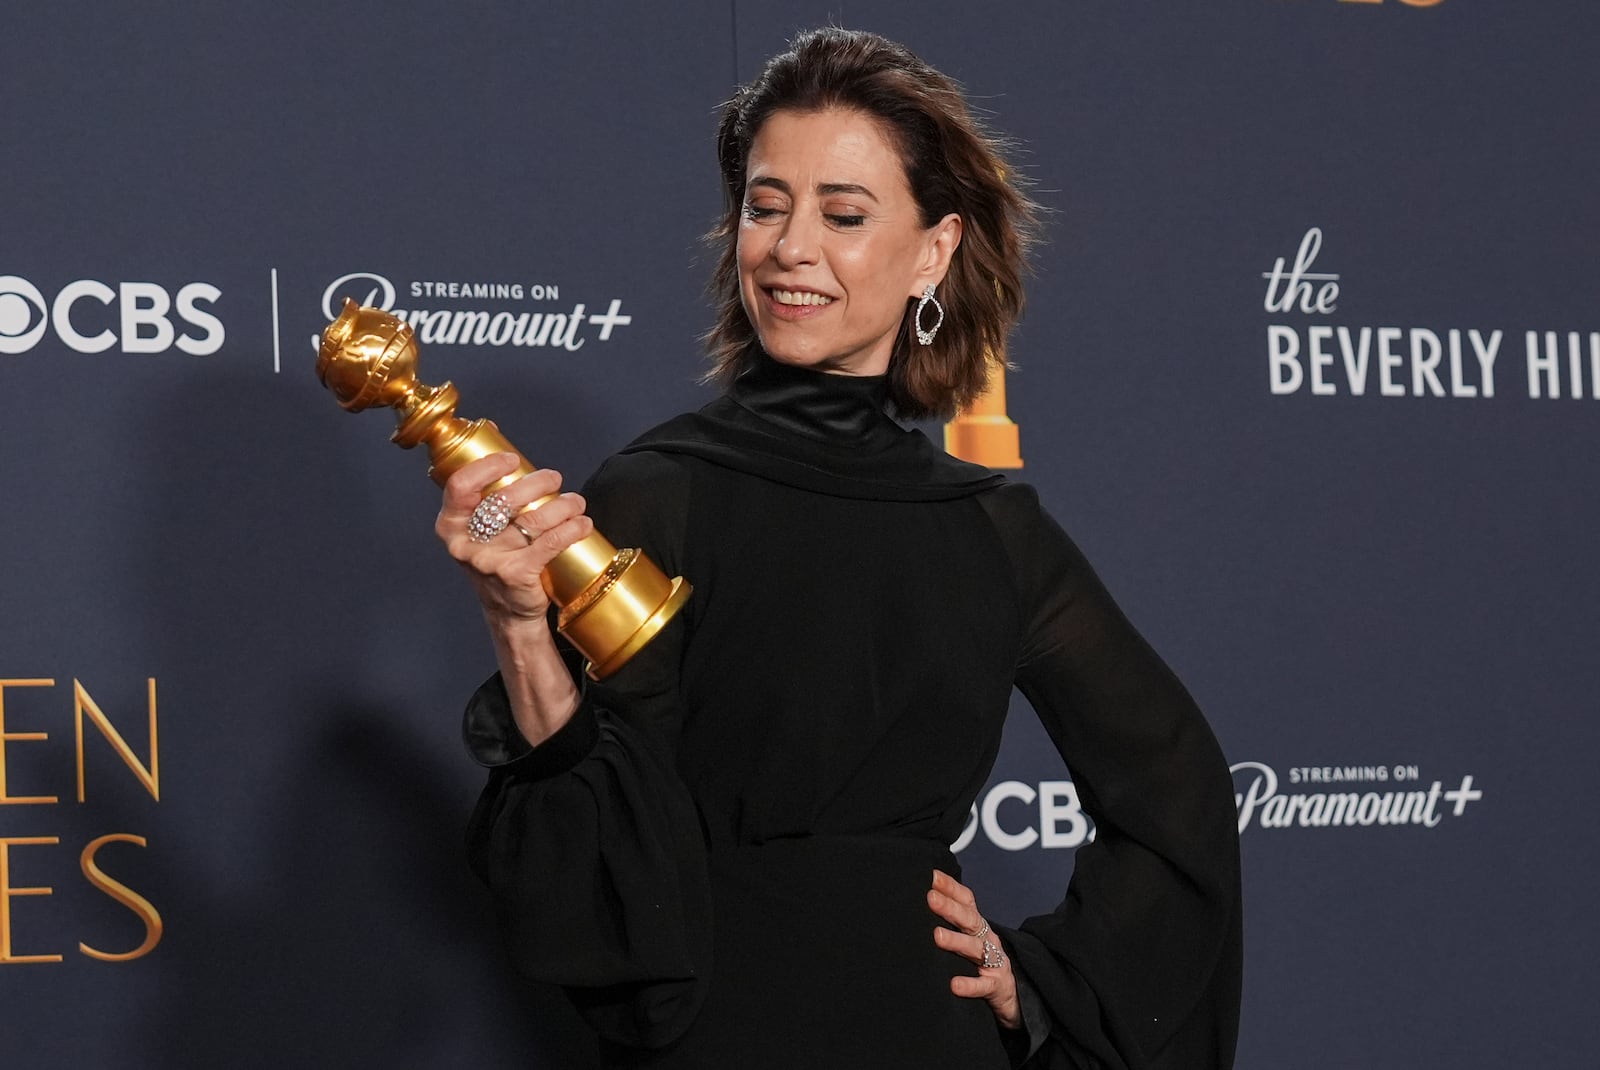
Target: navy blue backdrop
1311, 371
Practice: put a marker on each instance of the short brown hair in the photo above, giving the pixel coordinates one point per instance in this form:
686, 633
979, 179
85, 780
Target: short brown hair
952, 164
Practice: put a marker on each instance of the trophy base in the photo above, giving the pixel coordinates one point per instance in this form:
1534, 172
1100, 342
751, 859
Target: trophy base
646, 631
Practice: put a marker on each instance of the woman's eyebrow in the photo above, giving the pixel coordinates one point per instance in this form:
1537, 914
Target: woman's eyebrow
831, 188
770, 183
827, 189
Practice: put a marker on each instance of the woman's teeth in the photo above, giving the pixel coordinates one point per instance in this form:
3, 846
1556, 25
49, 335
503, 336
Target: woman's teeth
799, 297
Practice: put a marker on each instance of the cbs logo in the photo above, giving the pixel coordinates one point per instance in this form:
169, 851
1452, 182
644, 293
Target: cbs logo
1061, 821
82, 317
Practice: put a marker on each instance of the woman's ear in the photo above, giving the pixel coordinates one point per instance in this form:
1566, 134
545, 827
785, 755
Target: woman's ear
943, 238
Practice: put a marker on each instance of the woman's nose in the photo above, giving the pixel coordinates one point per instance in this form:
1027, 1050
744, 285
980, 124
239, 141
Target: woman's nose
798, 243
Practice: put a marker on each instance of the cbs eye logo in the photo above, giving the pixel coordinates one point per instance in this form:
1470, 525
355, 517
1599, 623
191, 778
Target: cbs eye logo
23, 317
91, 317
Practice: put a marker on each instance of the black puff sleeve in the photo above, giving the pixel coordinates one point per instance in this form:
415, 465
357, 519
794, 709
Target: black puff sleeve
589, 842
1140, 965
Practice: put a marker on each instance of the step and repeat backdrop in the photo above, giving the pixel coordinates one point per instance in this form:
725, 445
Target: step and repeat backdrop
1311, 370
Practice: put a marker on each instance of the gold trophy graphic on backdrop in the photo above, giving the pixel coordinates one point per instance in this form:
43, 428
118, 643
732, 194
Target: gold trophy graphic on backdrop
612, 602
982, 432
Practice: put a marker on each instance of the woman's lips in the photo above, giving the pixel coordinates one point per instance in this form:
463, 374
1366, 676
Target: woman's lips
798, 297
794, 304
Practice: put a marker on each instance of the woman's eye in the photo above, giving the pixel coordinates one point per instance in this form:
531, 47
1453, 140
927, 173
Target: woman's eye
759, 212
847, 220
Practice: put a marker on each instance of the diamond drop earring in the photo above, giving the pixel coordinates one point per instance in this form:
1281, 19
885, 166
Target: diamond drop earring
925, 334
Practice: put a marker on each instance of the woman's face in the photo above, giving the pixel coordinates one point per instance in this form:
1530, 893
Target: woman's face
831, 243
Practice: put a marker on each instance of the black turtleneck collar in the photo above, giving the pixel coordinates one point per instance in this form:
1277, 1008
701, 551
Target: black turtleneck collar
819, 432
841, 410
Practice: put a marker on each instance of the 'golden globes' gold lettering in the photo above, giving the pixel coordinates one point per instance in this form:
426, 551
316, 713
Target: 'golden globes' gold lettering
129, 898
9, 892
149, 776
84, 707
19, 737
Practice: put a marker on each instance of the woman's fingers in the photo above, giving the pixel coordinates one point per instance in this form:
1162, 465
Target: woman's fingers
548, 542
971, 939
549, 515
954, 902
464, 489
963, 944
531, 488
983, 986
506, 567
947, 884
529, 542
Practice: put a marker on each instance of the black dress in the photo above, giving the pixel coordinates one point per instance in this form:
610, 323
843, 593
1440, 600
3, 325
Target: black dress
724, 856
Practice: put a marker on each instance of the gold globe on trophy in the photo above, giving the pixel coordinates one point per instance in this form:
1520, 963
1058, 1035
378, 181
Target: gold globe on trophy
611, 602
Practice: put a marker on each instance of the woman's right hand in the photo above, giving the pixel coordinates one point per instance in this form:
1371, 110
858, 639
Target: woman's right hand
505, 570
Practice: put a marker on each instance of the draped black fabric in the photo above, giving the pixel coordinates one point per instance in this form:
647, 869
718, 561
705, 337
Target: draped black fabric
725, 855
821, 433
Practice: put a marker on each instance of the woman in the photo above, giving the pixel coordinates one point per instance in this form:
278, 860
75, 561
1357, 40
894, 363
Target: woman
733, 851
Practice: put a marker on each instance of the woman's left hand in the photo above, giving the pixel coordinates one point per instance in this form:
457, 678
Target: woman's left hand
955, 903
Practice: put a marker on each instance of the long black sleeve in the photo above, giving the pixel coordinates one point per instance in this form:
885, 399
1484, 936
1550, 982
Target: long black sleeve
589, 842
1140, 965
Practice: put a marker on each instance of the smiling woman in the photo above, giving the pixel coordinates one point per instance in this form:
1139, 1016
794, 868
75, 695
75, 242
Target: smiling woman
734, 852
826, 265
855, 167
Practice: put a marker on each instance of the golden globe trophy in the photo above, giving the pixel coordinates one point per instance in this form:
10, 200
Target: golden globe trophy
612, 602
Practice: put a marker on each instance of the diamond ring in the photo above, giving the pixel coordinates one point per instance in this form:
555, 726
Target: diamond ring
489, 519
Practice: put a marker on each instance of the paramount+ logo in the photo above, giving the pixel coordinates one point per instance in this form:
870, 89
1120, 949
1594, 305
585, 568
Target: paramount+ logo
89, 316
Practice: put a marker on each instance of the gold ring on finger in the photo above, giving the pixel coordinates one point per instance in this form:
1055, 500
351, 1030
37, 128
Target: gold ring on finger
526, 534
